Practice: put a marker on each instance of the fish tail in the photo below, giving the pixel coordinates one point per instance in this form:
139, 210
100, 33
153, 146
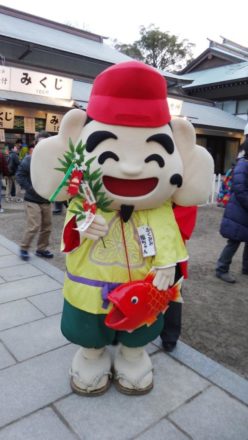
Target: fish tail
176, 291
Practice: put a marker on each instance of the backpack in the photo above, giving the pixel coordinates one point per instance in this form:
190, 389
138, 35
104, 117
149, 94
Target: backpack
225, 189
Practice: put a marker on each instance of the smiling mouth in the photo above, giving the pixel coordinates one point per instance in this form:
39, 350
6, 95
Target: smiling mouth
129, 188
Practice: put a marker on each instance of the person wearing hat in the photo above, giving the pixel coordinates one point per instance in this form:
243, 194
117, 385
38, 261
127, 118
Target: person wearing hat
147, 161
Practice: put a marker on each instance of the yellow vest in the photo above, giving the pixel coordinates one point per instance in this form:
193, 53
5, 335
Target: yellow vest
106, 260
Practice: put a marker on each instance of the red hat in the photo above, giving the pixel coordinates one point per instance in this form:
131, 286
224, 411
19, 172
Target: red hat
130, 94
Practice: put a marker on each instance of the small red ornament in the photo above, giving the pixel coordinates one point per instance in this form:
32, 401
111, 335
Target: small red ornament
74, 183
86, 205
89, 206
93, 208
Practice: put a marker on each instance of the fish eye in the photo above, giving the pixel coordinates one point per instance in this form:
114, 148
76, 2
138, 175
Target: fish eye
134, 300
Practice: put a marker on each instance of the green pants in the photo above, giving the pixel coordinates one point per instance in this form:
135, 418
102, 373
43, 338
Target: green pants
88, 330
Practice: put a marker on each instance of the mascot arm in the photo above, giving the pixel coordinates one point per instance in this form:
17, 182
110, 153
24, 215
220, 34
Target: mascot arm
97, 229
198, 166
73, 237
45, 178
164, 277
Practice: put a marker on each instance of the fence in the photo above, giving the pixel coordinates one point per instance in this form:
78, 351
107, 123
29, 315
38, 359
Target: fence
216, 183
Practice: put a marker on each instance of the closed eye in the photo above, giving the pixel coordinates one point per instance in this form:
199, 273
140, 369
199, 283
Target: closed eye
107, 155
157, 159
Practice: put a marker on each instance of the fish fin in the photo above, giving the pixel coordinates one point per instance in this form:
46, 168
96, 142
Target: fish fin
150, 277
151, 320
166, 308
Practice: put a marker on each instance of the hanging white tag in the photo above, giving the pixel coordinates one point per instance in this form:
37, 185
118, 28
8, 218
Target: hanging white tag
89, 196
84, 224
146, 241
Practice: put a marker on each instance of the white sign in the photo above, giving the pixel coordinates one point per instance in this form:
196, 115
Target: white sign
175, 106
4, 78
7, 116
35, 83
2, 135
146, 241
53, 122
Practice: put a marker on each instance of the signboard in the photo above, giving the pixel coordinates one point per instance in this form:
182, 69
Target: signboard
175, 106
29, 125
53, 122
2, 135
4, 78
35, 83
7, 116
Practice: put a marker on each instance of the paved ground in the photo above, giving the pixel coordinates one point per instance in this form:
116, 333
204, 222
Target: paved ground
194, 397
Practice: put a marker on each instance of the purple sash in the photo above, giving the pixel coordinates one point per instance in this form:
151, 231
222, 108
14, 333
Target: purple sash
105, 286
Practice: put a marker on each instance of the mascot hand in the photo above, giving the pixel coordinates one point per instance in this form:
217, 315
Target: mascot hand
164, 278
98, 228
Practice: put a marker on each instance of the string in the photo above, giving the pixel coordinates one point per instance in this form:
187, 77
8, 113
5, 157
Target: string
125, 247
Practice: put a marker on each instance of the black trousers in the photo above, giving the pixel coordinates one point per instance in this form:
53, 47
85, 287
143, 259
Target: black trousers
173, 318
226, 256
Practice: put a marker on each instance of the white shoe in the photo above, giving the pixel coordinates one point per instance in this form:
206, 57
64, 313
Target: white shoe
133, 371
1, 210
90, 371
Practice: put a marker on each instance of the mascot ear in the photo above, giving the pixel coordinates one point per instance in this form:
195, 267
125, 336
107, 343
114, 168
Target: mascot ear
198, 166
45, 179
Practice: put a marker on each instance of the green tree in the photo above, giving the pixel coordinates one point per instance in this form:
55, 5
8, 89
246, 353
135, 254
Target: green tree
158, 49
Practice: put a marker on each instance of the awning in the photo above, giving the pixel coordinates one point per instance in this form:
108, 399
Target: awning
35, 99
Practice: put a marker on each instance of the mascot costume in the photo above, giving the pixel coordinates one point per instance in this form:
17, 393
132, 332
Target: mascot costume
121, 239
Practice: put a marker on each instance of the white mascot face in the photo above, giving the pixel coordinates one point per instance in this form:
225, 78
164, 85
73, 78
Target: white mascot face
145, 157
140, 166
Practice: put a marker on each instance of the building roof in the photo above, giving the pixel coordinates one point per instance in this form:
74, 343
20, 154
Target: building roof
20, 26
227, 52
203, 115
222, 74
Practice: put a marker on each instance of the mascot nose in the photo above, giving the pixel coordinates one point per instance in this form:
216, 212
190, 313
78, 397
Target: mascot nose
131, 169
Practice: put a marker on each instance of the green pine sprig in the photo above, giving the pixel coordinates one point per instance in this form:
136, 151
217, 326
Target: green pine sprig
74, 158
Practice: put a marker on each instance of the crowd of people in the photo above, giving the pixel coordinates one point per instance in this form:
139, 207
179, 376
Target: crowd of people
15, 174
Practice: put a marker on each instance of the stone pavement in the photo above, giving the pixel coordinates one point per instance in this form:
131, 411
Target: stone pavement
193, 397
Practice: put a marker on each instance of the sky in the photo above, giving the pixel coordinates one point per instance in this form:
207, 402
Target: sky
193, 20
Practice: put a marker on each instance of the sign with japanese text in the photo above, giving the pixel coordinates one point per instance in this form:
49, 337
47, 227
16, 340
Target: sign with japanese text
7, 116
4, 78
2, 135
53, 122
29, 125
35, 83
146, 241
175, 106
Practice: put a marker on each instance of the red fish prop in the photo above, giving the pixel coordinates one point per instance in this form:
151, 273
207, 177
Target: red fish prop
138, 303
74, 183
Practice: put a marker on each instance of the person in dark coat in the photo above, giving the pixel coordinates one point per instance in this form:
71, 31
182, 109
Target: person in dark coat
3, 173
38, 210
234, 225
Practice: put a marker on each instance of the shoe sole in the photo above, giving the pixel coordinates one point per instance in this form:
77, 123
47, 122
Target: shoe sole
225, 281
94, 393
130, 391
44, 256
